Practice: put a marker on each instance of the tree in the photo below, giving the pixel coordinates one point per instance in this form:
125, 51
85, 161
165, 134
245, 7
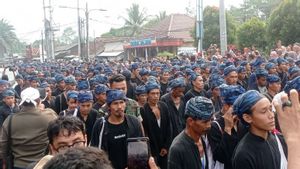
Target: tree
135, 19
284, 23
8, 37
254, 8
252, 33
161, 16
211, 27
68, 36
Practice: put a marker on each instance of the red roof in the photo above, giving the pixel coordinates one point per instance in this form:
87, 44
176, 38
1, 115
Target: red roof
177, 26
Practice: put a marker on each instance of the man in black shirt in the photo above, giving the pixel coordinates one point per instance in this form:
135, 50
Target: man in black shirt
85, 112
197, 89
110, 133
60, 85
188, 149
259, 148
100, 94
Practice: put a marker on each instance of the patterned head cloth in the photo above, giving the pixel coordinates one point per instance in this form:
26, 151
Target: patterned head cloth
270, 65
19, 76
243, 63
101, 88
241, 69
199, 107
8, 92
194, 76
150, 85
140, 90
189, 71
258, 61
113, 95
229, 93
153, 73
293, 70
3, 82
101, 79
261, 73
194, 66
281, 60
245, 102
273, 79
85, 96
134, 66
178, 82
70, 80
293, 84
33, 78
72, 94
144, 72
297, 62
59, 78
127, 74
215, 80
44, 85
229, 69
222, 66
83, 85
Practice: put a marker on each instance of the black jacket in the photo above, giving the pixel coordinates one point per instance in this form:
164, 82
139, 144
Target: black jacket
134, 129
160, 137
176, 115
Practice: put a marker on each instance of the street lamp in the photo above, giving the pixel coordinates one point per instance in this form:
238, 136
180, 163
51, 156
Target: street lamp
86, 12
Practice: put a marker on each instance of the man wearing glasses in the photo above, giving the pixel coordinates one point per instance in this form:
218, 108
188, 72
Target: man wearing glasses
63, 133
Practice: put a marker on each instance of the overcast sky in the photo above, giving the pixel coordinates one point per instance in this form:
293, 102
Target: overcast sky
27, 15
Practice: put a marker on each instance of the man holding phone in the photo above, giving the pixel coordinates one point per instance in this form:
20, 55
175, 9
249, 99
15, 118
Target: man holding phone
111, 133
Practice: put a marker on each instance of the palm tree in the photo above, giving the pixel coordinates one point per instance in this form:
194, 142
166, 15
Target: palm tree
162, 15
135, 19
7, 35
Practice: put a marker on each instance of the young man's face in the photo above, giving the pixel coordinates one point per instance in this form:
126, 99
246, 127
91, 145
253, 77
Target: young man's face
34, 84
117, 108
262, 117
119, 86
62, 84
153, 96
272, 71
216, 92
48, 91
64, 141
142, 98
9, 100
200, 126
261, 81
71, 86
72, 104
231, 78
165, 76
20, 81
198, 83
178, 91
85, 107
242, 75
101, 97
276, 87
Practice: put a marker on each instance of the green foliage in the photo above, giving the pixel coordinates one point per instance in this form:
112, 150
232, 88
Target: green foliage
8, 37
252, 33
68, 36
284, 23
253, 8
212, 27
135, 19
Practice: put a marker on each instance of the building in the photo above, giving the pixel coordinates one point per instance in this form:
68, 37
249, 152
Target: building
169, 35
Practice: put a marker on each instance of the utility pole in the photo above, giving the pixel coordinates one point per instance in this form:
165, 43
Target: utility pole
46, 30
43, 58
199, 24
51, 31
79, 31
223, 31
87, 32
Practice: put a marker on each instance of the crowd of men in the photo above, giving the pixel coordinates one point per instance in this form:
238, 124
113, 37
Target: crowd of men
209, 112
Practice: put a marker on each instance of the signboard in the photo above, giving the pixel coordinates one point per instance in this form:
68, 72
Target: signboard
143, 42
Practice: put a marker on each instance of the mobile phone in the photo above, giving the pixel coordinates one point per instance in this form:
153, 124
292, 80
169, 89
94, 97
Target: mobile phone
138, 153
